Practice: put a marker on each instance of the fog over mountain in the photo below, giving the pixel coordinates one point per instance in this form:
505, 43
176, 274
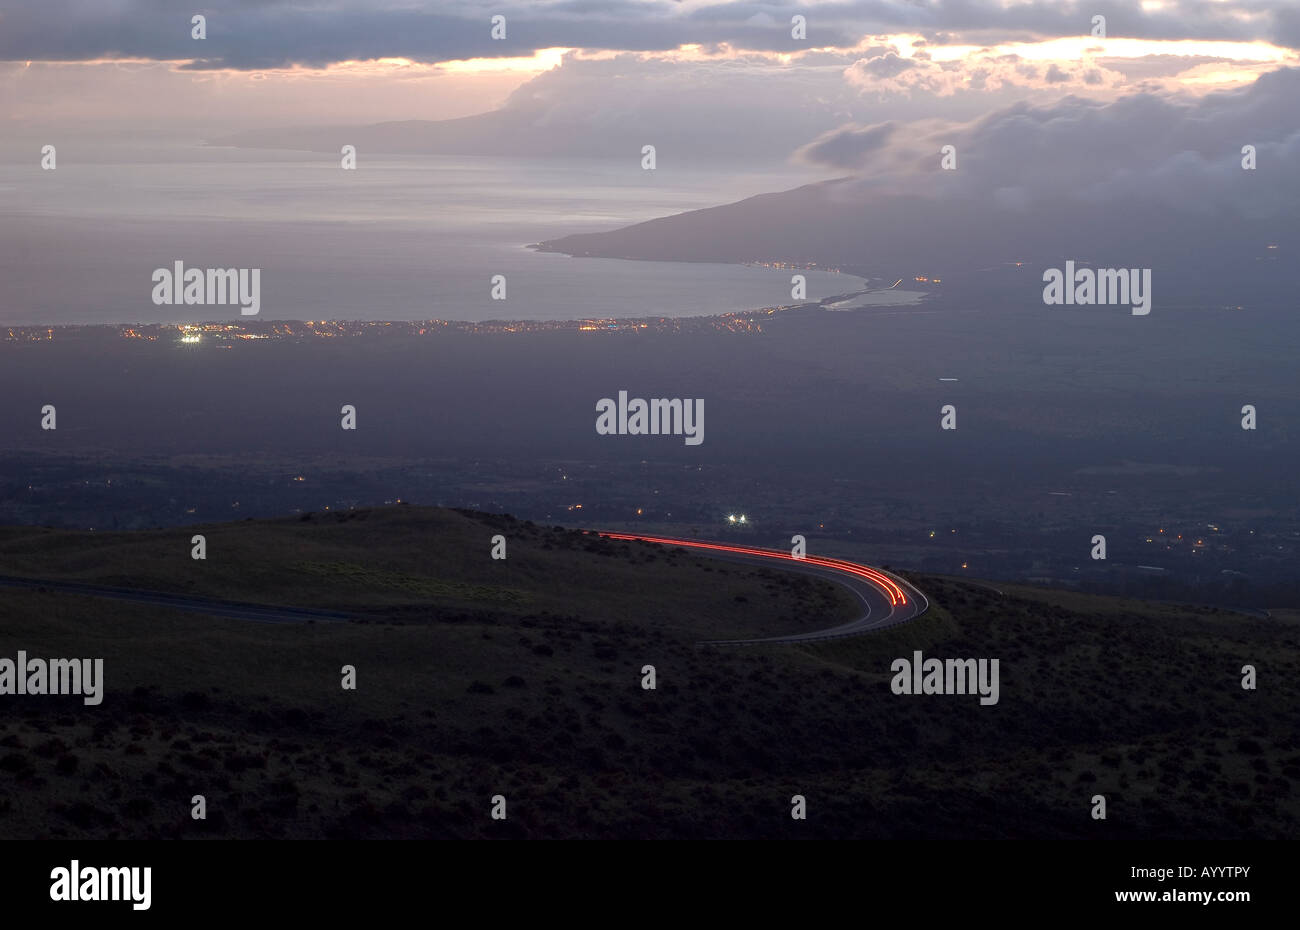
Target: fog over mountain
1150, 179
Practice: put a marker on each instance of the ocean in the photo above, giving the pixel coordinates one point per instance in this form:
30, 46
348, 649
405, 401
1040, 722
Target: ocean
399, 238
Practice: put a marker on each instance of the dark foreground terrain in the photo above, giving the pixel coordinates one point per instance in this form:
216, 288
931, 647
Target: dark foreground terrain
522, 678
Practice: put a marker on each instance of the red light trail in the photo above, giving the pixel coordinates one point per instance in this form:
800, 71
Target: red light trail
879, 579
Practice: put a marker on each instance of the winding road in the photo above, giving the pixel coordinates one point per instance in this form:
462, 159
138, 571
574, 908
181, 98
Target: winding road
887, 600
237, 610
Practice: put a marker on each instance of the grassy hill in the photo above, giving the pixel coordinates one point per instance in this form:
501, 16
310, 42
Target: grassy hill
522, 677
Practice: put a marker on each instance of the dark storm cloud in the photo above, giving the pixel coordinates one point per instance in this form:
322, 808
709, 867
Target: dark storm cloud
246, 35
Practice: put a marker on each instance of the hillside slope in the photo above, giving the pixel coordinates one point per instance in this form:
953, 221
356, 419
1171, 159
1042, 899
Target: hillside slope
523, 678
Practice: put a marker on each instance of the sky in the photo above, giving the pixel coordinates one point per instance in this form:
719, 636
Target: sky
1044, 102
89, 63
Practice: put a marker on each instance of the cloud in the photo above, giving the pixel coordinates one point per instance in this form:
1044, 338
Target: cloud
888, 73
316, 33
879, 67
1180, 150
